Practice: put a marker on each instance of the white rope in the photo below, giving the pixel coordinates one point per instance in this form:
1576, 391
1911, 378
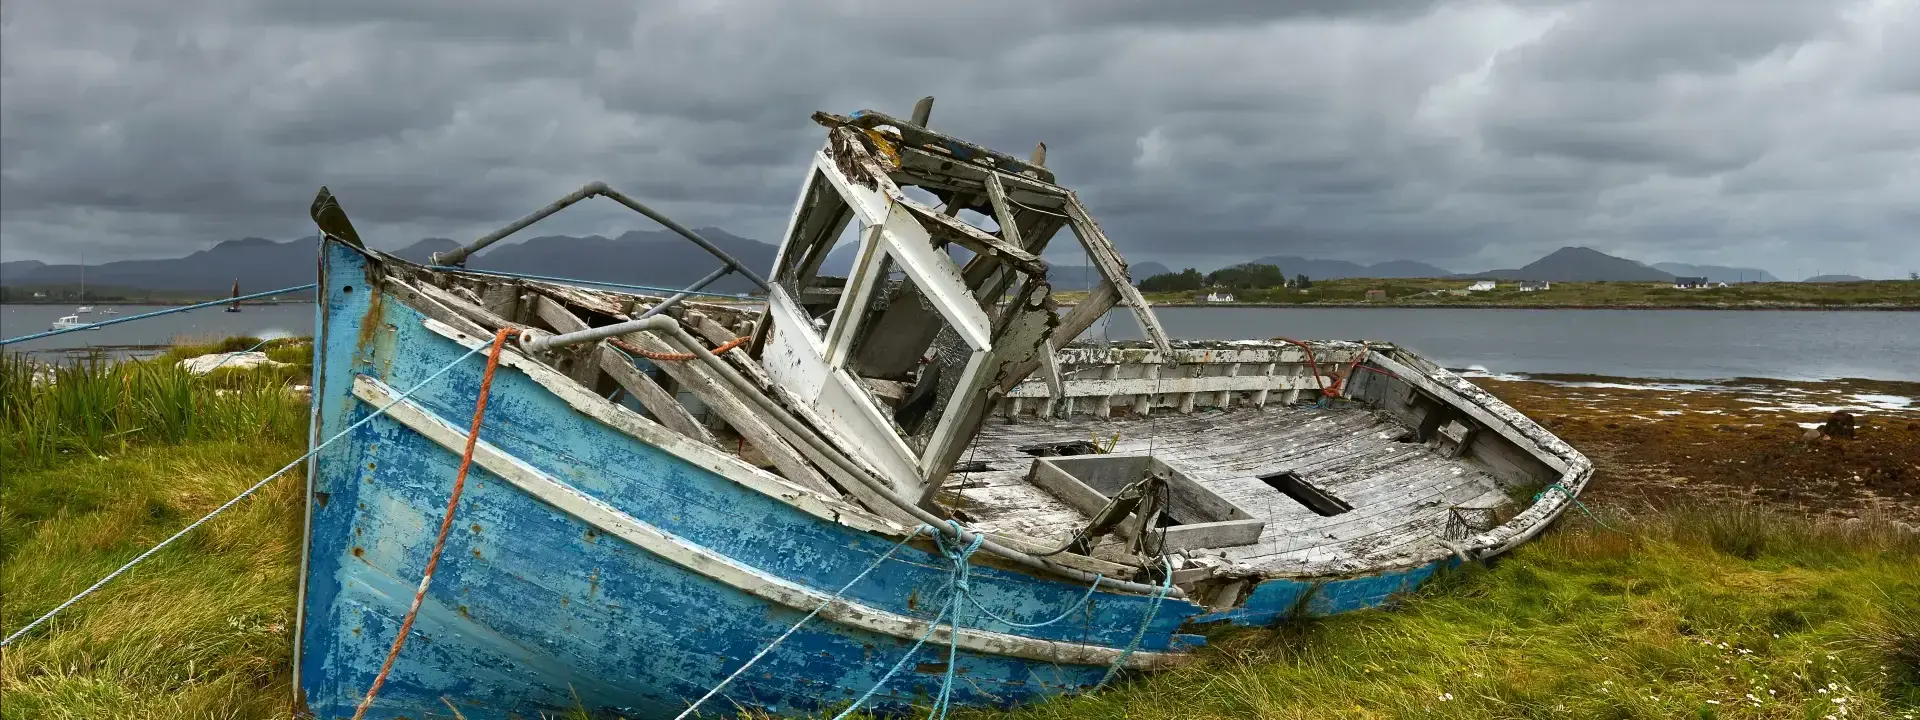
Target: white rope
796, 626
237, 498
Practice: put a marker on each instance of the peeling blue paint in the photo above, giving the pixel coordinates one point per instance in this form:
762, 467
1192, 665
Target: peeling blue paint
530, 608
1274, 598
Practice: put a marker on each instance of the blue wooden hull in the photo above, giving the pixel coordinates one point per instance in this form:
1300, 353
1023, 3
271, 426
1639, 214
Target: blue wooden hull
534, 609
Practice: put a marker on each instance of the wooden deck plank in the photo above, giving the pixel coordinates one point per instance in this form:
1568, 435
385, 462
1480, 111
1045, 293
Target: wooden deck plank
1400, 492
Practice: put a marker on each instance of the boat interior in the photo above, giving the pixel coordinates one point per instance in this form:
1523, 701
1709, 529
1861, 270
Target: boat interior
946, 366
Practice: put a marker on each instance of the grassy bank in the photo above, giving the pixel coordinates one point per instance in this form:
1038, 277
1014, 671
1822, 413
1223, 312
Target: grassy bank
1713, 613
1717, 612
1401, 292
52, 413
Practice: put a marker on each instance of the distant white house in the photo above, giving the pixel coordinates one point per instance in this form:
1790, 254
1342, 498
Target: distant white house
1220, 297
1482, 285
1689, 283
1533, 285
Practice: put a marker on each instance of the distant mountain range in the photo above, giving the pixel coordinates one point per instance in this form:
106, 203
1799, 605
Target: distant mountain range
1579, 264
660, 257
1834, 278
839, 261
1340, 269
1718, 273
664, 259
644, 258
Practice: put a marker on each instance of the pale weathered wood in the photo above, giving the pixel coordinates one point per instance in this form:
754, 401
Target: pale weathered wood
654, 398
583, 367
1003, 214
719, 397
469, 310
660, 403
1400, 492
1108, 261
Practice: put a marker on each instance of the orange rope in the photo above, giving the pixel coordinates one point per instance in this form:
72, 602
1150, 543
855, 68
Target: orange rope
1315, 365
1339, 381
446, 522
671, 357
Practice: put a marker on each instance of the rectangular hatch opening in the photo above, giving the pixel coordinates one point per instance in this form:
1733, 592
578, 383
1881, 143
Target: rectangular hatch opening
1196, 517
1319, 501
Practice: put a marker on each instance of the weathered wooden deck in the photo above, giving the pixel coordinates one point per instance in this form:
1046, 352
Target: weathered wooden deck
1401, 492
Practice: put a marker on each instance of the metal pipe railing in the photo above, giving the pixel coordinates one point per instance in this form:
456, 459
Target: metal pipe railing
459, 255
682, 295
669, 224
578, 281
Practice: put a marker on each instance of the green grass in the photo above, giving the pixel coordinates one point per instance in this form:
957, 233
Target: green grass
1711, 613
1414, 293
1686, 617
54, 413
200, 630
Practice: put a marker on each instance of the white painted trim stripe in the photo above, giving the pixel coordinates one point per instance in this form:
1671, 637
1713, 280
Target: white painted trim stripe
726, 570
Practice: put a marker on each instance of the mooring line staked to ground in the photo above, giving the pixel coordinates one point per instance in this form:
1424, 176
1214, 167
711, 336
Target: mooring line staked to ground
382, 410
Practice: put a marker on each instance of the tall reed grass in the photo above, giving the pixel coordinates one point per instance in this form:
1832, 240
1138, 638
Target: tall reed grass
94, 405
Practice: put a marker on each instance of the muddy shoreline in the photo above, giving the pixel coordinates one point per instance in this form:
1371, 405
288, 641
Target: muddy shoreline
1657, 443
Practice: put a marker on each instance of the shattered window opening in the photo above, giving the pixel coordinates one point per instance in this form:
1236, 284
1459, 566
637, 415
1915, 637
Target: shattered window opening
824, 221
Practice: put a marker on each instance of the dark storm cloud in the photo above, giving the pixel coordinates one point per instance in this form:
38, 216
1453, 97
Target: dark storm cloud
1472, 134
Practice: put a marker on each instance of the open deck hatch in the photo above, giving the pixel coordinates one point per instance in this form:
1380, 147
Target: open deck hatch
1195, 518
1321, 502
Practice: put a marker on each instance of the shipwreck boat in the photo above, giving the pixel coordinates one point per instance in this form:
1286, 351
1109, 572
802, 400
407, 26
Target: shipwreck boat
675, 502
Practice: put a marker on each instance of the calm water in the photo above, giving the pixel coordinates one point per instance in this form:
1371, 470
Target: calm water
1687, 344
262, 321
1684, 344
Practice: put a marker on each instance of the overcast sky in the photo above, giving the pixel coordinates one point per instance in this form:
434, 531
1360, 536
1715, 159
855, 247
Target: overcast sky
1770, 133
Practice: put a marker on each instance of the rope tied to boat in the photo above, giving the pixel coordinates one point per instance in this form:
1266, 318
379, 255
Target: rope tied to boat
1339, 381
837, 595
382, 410
633, 349
1562, 489
446, 520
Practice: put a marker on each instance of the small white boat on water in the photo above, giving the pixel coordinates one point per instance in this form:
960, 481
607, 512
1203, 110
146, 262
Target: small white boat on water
110, 311
83, 309
69, 322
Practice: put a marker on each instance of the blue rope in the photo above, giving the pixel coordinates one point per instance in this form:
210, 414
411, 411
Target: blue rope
1069, 611
1153, 610
931, 626
949, 610
575, 281
796, 626
1576, 503
958, 591
156, 313
237, 498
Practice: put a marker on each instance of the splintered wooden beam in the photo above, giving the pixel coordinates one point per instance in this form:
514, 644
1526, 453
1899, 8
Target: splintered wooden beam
717, 334
975, 239
1003, 211
469, 310
1087, 312
1114, 269
585, 369
718, 397
654, 398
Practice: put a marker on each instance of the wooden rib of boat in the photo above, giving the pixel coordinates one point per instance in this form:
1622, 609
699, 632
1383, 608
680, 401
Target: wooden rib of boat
636, 529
